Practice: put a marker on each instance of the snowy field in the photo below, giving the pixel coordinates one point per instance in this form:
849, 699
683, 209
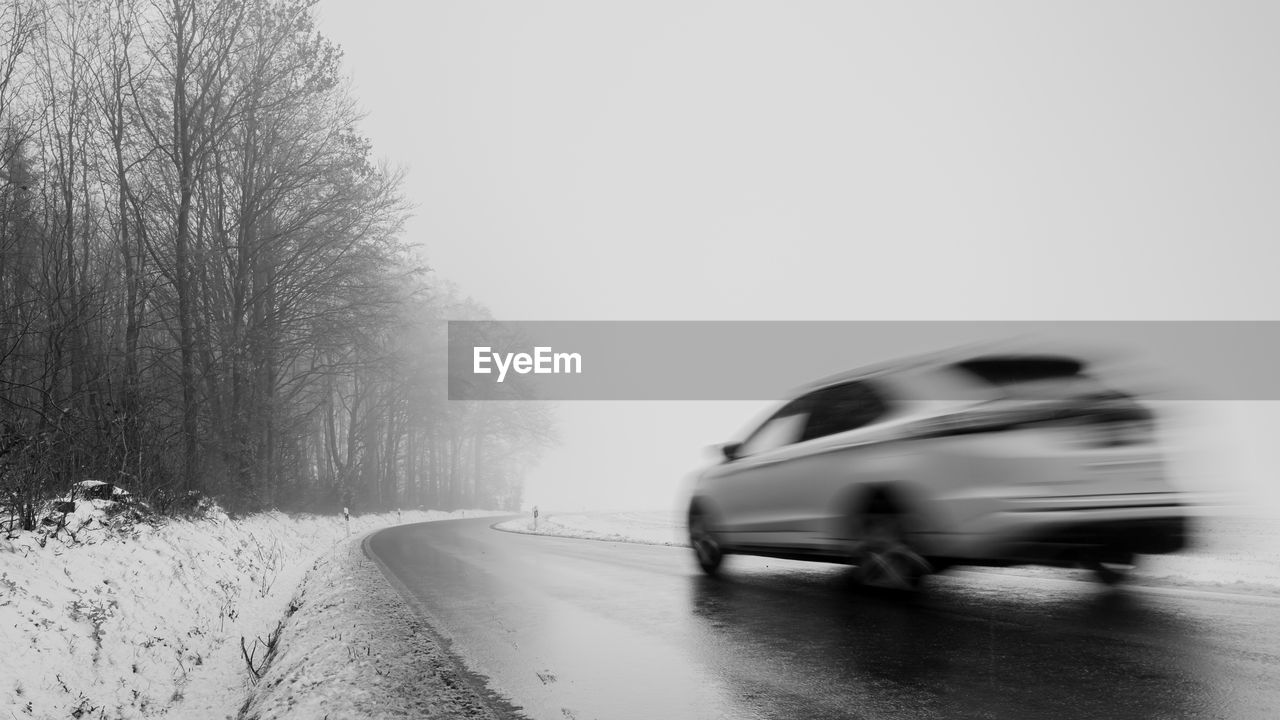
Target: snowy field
650, 528
1230, 552
150, 621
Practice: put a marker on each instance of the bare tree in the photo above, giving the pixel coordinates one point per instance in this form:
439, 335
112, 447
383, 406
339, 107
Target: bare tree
203, 283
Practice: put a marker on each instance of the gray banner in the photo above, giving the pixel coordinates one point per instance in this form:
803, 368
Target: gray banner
712, 360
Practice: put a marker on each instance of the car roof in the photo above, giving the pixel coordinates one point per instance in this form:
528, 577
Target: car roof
952, 356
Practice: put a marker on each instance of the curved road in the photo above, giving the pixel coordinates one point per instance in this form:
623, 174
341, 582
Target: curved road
579, 629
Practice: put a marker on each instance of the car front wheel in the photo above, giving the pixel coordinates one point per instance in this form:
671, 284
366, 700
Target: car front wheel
706, 548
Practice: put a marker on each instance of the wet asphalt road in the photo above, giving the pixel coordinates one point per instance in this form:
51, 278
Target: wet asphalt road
576, 629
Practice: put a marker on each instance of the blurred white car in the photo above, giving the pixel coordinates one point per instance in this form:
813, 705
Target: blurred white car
917, 466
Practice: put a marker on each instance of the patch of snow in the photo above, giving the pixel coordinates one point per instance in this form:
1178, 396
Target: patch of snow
90, 505
649, 528
148, 622
99, 490
353, 648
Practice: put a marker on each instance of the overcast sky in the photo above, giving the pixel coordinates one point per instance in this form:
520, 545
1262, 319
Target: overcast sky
825, 160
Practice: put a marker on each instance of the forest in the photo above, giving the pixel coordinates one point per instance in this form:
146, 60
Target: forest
206, 289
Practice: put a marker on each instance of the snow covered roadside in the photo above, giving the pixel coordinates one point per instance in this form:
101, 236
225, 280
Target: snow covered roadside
1230, 552
649, 528
354, 648
150, 622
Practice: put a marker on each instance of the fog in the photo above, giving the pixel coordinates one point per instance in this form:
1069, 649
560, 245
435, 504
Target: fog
832, 161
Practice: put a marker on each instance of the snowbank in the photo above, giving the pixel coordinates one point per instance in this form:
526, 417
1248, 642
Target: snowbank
150, 622
353, 648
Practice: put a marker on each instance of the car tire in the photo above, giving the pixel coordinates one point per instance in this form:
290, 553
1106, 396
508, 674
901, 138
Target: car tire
706, 548
1112, 569
882, 554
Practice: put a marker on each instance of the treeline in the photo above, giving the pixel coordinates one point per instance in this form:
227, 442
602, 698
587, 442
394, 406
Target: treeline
203, 284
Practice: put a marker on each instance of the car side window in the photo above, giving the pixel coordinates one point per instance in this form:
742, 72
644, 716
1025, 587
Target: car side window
784, 428
842, 408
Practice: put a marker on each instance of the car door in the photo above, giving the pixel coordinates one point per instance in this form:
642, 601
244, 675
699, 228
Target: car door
745, 491
835, 450
780, 490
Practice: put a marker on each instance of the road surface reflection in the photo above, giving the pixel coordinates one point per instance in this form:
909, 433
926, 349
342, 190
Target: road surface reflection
951, 652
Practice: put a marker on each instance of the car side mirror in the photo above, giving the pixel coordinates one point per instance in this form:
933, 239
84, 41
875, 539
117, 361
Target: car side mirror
730, 450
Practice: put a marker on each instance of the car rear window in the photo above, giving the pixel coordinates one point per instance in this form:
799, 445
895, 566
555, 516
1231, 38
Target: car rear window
1031, 376
1012, 370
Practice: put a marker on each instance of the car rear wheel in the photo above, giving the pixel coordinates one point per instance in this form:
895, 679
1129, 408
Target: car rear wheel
706, 548
1112, 568
882, 553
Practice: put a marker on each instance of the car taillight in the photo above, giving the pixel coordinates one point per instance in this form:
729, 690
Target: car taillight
1118, 433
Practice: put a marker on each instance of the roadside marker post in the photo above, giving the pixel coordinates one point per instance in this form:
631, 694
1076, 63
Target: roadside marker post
535, 517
